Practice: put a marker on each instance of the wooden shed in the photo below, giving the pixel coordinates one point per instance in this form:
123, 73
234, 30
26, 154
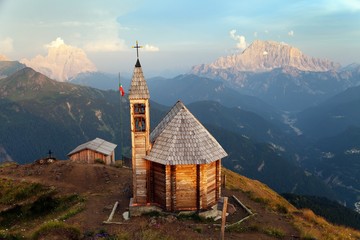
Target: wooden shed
95, 150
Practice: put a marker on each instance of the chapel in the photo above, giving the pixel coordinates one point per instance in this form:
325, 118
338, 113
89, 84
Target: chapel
177, 166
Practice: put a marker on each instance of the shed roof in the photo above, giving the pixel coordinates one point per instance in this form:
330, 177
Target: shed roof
181, 139
98, 145
138, 88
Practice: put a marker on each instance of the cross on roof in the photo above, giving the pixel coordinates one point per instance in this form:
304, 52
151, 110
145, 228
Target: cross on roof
137, 49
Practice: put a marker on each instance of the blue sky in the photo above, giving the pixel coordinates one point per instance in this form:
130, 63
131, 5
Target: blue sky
178, 34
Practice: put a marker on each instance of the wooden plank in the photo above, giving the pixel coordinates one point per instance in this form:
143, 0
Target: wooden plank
168, 190
159, 184
223, 218
186, 187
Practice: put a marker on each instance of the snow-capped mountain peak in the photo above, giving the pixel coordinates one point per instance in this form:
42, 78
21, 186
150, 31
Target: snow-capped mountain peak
263, 56
62, 62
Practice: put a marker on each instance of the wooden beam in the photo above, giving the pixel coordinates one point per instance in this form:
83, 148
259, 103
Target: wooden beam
173, 187
223, 218
198, 185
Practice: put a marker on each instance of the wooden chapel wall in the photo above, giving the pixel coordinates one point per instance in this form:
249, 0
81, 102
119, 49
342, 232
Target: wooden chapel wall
186, 181
159, 183
186, 187
211, 184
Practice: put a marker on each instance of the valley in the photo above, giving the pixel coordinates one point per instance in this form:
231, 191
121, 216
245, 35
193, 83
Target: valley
310, 141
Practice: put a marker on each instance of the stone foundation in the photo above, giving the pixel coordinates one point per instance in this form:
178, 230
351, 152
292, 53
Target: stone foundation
138, 210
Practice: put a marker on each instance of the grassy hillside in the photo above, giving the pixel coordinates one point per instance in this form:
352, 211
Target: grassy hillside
309, 225
331, 210
65, 200
9, 67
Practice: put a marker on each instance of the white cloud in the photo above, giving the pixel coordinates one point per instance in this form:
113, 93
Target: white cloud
291, 33
101, 36
6, 45
55, 44
151, 48
341, 5
241, 42
111, 45
255, 34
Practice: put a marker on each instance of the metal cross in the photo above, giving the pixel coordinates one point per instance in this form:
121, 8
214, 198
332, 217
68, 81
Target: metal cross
137, 49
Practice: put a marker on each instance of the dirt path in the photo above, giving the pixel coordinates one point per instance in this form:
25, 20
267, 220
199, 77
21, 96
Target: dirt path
102, 186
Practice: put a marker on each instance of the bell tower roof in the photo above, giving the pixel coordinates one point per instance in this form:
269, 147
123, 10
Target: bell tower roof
138, 87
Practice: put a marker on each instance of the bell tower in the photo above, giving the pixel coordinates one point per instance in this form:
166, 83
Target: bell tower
140, 132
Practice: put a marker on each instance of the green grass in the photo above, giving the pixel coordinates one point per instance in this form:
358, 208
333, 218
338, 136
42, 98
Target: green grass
274, 232
9, 236
7, 164
79, 207
240, 228
281, 209
150, 234
12, 192
45, 207
55, 228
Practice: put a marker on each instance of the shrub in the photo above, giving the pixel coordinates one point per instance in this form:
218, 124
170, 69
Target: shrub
274, 232
98, 160
123, 236
73, 211
54, 229
240, 228
14, 192
281, 209
150, 234
9, 236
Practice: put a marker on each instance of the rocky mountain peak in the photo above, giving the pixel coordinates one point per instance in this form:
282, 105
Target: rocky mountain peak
62, 62
4, 58
263, 56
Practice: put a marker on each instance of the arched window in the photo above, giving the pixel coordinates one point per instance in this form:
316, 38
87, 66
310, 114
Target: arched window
139, 108
140, 125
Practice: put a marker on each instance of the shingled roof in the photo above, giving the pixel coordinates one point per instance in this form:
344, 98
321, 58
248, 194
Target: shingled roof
181, 139
97, 145
138, 88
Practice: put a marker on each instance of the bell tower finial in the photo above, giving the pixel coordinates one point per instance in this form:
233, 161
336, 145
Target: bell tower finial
137, 54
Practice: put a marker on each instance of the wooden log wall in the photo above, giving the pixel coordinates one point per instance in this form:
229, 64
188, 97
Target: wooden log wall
140, 170
211, 184
218, 179
185, 187
159, 183
140, 145
186, 197
89, 156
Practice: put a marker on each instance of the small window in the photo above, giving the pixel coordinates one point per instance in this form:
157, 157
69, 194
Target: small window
140, 125
139, 108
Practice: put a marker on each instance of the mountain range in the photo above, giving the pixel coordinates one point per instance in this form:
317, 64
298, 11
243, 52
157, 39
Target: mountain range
297, 119
264, 56
281, 75
276, 73
39, 114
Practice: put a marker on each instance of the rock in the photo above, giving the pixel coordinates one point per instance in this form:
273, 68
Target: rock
126, 215
170, 218
210, 214
231, 209
152, 221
